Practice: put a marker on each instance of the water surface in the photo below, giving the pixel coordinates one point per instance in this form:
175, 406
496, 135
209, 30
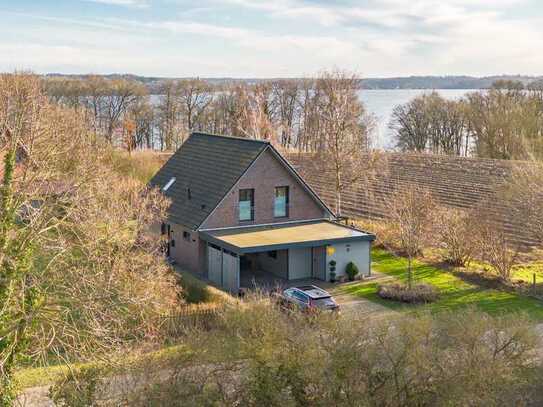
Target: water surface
380, 103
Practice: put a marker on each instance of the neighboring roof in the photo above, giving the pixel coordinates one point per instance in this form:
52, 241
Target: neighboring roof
283, 236
210, 165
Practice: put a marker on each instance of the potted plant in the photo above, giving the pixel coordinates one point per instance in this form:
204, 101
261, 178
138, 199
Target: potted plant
332, 271
351, 270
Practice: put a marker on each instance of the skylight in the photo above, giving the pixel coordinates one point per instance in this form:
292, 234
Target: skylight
169, 184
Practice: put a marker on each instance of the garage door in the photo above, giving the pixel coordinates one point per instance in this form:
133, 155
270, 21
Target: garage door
230, 271
223, 268
214, 271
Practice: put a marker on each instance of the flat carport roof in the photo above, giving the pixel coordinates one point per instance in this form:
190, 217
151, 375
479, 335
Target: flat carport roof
283, 236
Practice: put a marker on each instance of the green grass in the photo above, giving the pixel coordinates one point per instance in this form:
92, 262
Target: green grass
455, 293
525, 272
41, 376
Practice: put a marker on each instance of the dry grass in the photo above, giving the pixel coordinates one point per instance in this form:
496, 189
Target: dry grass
141, 165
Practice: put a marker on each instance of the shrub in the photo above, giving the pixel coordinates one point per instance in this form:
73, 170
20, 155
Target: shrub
496, 248
332, 271
456, 235
418, 293
351, 270
78, 388
450, 359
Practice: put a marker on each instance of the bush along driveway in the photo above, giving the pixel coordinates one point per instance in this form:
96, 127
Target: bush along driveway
454, 293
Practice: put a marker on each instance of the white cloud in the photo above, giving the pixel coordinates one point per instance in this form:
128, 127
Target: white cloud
126, 3
283, 38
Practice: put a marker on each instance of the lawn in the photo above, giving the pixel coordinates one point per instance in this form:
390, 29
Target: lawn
525, 272
454, 293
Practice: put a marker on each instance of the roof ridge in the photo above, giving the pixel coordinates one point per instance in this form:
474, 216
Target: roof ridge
200, 133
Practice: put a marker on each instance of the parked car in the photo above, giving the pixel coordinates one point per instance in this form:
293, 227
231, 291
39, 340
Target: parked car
308, 298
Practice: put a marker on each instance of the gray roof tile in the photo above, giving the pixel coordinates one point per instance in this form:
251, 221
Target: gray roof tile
209, 165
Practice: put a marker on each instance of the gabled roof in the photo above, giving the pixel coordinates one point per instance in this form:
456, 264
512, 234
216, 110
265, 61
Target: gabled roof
210, 166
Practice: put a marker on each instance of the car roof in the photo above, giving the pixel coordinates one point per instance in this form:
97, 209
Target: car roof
313, 292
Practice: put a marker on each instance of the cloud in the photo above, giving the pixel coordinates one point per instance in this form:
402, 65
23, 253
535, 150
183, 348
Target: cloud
282, 38
259, 40
125, 3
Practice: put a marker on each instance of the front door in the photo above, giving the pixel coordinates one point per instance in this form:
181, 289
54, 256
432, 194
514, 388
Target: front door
319, 262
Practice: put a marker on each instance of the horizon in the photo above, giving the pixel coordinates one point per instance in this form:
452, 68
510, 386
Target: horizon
287, 38
217, 77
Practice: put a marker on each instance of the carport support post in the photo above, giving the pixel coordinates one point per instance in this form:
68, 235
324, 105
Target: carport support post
222, 267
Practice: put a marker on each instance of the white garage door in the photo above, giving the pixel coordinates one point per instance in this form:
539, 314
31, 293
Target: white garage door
230, 271
223, 268
214, 271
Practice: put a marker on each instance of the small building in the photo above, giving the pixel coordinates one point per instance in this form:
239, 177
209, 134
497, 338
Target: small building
240, 212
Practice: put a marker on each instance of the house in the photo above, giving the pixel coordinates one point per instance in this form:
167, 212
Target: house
239, 210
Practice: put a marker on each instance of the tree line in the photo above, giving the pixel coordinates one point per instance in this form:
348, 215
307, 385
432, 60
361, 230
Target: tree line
294, 114
504, 122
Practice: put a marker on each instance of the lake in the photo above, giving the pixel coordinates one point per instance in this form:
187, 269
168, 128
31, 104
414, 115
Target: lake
380, 104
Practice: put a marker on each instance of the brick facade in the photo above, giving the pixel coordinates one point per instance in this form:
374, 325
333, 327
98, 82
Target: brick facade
189, 251
263, 176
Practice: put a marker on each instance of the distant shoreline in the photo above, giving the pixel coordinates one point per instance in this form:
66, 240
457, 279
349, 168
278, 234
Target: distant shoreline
459, 82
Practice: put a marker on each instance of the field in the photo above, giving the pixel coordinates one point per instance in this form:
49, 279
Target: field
455, 182
455, 293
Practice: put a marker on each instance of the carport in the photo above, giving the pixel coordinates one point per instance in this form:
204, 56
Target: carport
288, 251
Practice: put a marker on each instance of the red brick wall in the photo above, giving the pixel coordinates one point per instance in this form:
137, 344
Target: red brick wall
263, 176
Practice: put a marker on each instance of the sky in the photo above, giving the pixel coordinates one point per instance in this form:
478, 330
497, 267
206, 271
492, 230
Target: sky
272, 38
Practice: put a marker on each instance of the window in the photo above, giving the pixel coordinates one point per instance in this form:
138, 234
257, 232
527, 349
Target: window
280, 207
246, 204
169, 184
186, 235
163, 229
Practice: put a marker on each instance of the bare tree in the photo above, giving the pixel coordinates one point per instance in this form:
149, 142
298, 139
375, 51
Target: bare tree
411, 212
285, 102
430, 123
411, 125
346, 131
142, 113
456, 235
505, 123
95, 99
496, 248
523, 196
122, 94
168, 115
72, 234
194, 96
